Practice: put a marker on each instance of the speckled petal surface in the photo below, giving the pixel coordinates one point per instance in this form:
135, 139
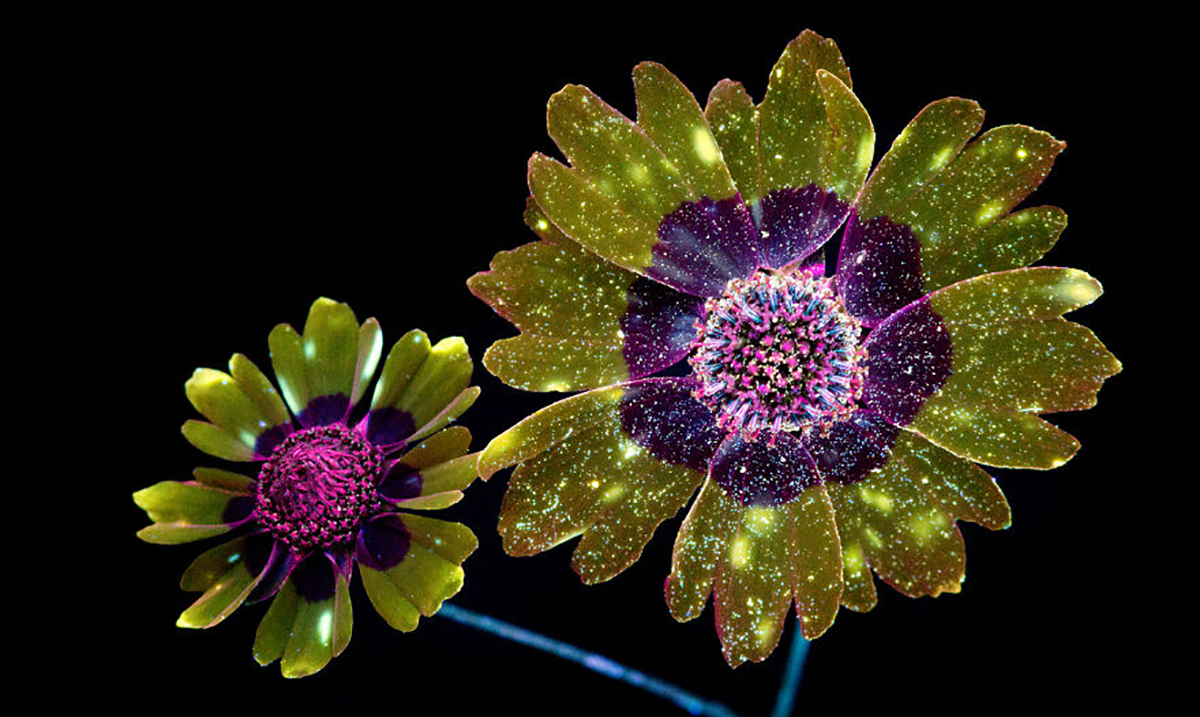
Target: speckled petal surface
755, 560
184, 511
616, 465
1013, 358
669, 212
934, 213
801, 156
899, 520
584, 322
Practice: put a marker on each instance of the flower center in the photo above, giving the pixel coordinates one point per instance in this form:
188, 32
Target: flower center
778, 352
318, 486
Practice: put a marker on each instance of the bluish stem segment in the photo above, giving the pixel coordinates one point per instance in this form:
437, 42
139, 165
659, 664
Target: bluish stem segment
598, 663
785, 699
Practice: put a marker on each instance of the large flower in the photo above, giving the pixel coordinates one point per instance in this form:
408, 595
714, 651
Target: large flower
332, 487
832, 423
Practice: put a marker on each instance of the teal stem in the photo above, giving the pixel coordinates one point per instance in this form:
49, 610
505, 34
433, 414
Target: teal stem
688, 701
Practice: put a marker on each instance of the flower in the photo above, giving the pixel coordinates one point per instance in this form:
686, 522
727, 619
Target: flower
330, 490
834, 423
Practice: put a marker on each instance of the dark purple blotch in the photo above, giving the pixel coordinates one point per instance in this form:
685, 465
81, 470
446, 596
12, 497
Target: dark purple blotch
269, 440
703, 244
792, 224
238, 509
756, 473
659, 325
314, 578
382, 542
660, 415
879, 269
908, 360
279, 567
401, 482
324, 410
387, 426
849, 450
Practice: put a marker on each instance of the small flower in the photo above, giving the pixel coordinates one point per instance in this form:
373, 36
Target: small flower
332, 488
833, 422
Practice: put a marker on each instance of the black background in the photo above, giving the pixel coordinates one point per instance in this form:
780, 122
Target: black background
240, 165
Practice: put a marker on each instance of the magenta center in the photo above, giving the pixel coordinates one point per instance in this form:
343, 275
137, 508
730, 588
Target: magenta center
778, 352
318, 486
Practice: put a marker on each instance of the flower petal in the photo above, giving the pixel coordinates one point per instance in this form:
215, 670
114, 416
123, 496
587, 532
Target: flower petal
422, 389
801, 156
1012, 358
404, 484
221, 399
669, 212
899, 520
584, 322
322, 370
226, 574
610, 464
933, 213
411, 564
309, 622
187, 511
438, 448
756, 560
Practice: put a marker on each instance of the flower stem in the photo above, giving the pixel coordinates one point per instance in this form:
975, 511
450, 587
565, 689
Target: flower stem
785, 699
598, 663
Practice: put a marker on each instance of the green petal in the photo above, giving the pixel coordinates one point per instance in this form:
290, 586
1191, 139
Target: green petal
568, 304
334, 357
756, 560
549, 426
220, 399
331, 348
734, 121
226, 580
258, 388
183, 511
447, 415
438, 448
443, 375
599, 484
429, 574
370, 348
1013, 359
304, 635
894, 522
957, 201
858, 591
217, 442
403, 360
810, 130
455, 474
431, 501
668, 114
226, 480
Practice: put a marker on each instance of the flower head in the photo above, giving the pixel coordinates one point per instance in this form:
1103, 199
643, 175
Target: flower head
834, 422
333, 487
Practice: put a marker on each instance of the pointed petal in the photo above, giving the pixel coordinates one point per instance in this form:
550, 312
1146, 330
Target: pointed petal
733, 117
934, 213
611, 464
438, 448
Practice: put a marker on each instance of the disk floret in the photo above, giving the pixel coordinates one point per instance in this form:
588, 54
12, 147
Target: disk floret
318, 486
778, 352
